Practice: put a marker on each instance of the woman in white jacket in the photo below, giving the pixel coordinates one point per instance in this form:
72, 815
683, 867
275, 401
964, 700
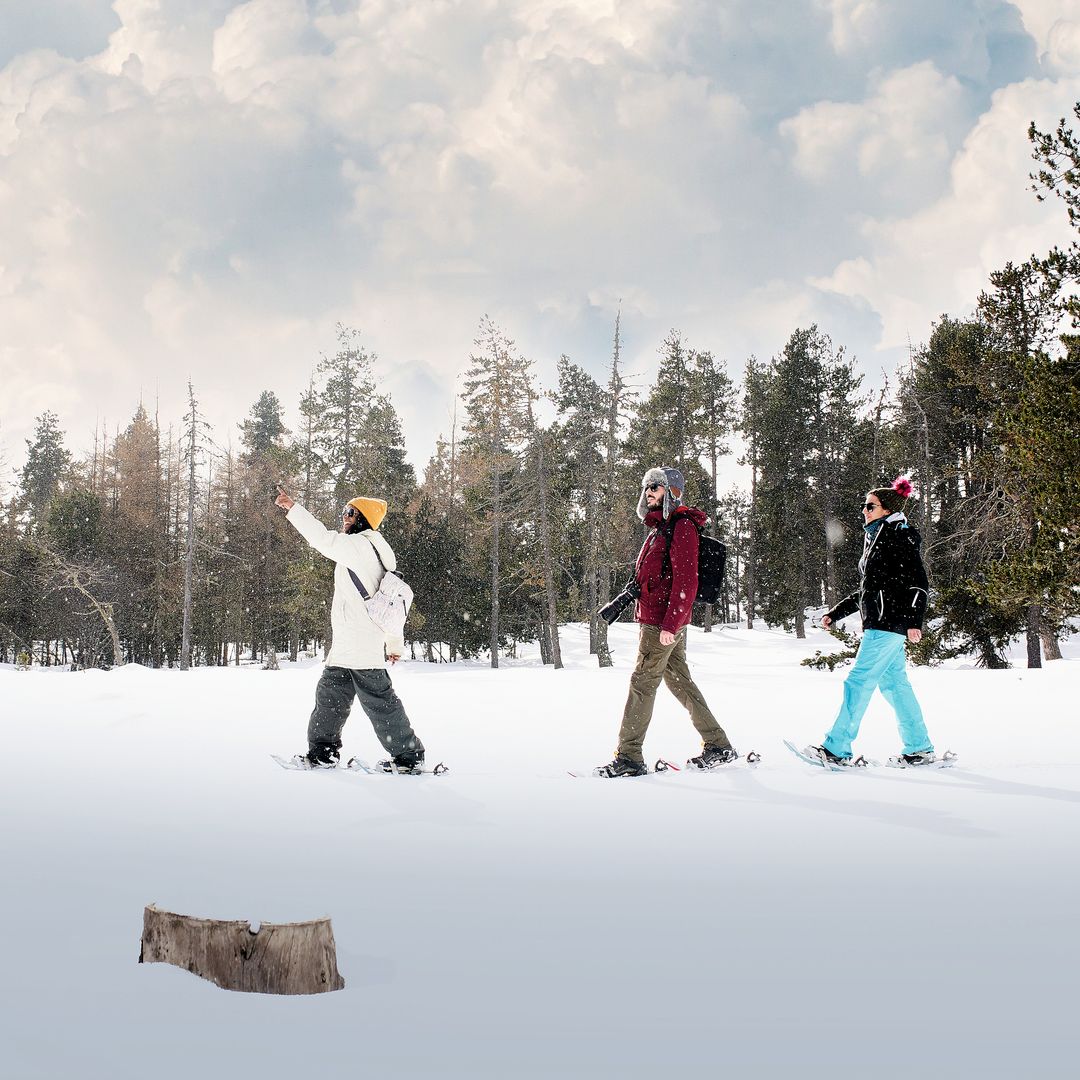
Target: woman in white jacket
356, 663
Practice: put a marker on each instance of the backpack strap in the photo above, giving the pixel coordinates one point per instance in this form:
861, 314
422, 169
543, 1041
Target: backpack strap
669, 535
358, 583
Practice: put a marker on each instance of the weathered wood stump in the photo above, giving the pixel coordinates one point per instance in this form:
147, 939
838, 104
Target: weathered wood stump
260, 958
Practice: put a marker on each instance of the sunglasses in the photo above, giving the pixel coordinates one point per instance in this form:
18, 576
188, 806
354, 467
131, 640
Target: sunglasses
653, 487
871, 506
349, 512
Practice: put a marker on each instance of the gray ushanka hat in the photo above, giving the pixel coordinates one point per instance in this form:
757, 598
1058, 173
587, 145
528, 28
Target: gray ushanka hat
673, 481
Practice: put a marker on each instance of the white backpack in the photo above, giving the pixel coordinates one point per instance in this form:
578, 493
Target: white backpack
389, 607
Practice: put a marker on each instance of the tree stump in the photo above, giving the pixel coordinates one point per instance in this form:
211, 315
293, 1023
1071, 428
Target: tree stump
259, 958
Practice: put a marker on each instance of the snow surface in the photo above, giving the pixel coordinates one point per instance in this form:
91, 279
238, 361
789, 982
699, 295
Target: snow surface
507, 920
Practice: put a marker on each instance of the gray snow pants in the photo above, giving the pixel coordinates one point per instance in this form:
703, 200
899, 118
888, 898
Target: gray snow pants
333, 703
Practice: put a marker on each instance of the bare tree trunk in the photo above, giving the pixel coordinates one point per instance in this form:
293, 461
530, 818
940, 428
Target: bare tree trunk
604, 567
495, 537
542, 481
267, 958
189, 558
592, 553
713, 455
927, 490
1051, 645
751, 554
1034, 627
603, 595
544, 638
830, 560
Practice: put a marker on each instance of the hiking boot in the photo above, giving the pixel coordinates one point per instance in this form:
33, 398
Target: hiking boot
622, 766
411, 764
711, 756
904, 761
826, 757
319, 757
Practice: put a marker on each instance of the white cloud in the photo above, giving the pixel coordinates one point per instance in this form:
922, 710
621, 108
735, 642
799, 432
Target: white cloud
898, 142
220, 183
940, 258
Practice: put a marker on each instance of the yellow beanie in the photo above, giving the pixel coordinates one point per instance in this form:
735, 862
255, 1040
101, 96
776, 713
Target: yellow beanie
372, 509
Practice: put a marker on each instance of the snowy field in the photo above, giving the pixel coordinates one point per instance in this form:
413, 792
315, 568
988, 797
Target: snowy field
507, 920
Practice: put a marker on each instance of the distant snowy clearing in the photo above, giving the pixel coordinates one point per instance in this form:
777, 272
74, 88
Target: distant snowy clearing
507, 920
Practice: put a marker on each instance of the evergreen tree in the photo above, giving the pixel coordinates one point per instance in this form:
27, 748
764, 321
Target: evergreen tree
713, 410
944, 425
583, 408
803, 410
496, 395
47, 465
262, 539
619, 524
1021, 313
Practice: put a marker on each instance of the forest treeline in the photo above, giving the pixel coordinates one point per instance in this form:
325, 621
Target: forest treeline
162, 547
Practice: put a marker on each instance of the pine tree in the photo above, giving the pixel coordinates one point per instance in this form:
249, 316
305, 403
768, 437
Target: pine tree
713, 410
944, 424
195, 437
538, 467
347, 390
583, 408
262, 536
617, 530
1021, 313
495, 396
803, 410
47, 465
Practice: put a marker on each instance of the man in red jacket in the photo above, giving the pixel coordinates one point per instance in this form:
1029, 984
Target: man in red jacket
667, 573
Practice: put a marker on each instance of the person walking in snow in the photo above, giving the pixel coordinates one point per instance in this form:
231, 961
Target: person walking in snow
667, 576
891, 598
356, 663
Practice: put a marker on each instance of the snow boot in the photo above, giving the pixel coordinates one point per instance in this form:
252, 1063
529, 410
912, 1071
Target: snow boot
317, 758
904, 761
826, 757
622, 766
711, 756
411, 764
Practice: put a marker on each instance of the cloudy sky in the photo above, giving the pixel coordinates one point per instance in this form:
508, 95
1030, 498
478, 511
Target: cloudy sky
204, 188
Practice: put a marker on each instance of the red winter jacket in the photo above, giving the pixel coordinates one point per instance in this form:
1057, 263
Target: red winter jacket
667, 600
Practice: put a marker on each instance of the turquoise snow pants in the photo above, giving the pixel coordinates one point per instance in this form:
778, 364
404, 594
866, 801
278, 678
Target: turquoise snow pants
879, 663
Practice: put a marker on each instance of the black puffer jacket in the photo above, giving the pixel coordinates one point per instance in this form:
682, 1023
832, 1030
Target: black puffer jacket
892, 593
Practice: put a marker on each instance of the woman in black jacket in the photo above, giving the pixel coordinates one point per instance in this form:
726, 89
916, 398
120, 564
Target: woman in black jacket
892, 601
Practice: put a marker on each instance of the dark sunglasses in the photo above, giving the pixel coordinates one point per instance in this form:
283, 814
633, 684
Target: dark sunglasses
349, 512
654, 487
871, 506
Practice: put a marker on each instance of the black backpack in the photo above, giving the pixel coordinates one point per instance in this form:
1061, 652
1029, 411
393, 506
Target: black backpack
712, 558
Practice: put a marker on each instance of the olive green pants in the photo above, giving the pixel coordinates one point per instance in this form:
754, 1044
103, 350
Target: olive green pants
667, 662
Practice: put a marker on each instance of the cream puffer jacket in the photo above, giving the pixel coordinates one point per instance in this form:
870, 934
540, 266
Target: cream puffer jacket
358, 642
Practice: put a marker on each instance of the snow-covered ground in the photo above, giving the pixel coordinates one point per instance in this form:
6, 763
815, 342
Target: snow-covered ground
507, 920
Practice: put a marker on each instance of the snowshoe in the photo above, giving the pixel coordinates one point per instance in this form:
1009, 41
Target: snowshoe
826, 757
622, 766
711, 756
406, 764
922, 760
903, 761
823, 759
307, 762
